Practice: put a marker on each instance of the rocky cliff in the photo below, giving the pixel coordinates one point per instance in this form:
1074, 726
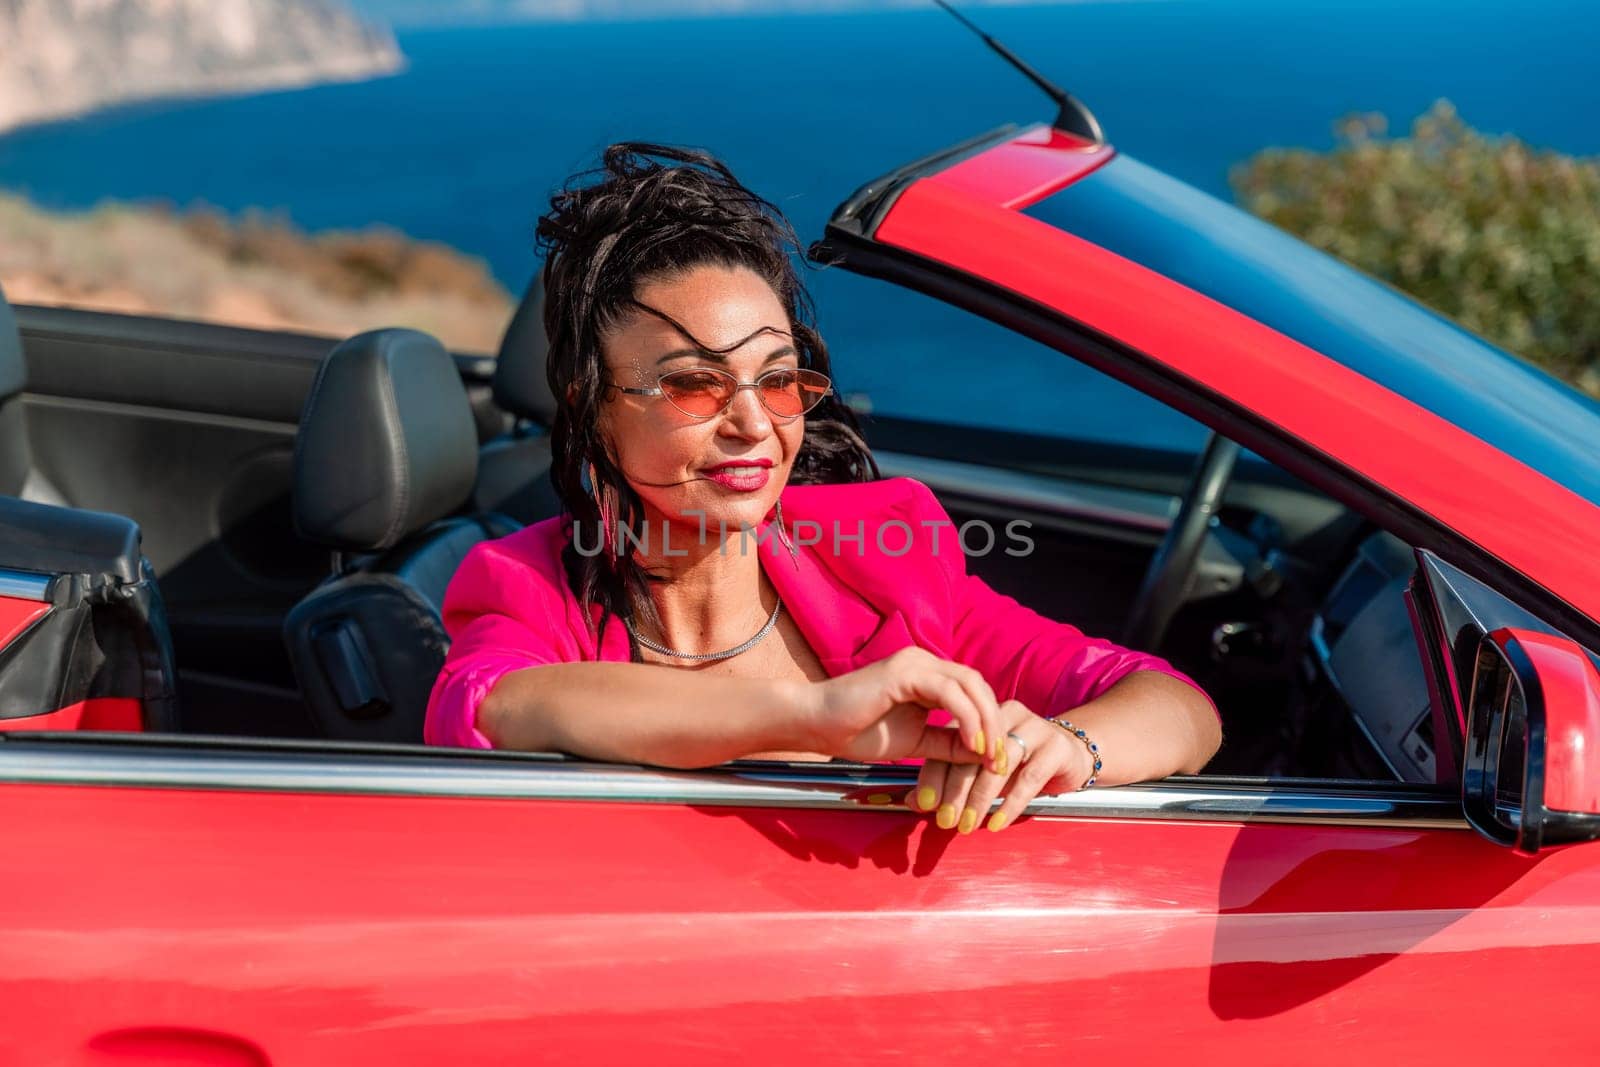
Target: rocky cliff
60, 58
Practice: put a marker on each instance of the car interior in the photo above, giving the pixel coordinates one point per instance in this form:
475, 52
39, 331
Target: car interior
303, 509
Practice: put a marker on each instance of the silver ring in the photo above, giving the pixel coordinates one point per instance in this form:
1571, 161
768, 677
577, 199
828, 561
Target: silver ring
1020, 744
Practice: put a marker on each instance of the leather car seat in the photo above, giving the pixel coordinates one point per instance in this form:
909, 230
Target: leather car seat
514, 468
386, 455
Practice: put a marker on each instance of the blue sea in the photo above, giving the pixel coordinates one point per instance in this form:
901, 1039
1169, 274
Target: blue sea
465, 146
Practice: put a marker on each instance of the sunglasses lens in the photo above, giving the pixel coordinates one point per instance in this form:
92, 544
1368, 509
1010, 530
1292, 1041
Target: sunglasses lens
793, 392
702, 393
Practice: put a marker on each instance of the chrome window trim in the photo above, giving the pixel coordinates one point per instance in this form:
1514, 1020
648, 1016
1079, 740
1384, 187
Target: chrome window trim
396, 772
25, 585
1069, 499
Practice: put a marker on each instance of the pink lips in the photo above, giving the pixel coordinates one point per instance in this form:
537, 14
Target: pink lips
741, 477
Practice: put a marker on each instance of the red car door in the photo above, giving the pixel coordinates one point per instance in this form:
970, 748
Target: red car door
276, 904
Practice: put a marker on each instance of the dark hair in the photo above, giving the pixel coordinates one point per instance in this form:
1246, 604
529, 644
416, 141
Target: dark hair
652, 210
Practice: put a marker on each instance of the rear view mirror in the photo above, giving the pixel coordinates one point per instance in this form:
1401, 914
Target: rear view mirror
1531, 772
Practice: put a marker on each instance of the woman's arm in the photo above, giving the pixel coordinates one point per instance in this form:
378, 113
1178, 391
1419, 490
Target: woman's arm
1148, 720
518, 675
643, 713
1148, 725
647, 713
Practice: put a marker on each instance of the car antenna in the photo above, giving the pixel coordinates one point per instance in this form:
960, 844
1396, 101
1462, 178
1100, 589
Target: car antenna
1073, 117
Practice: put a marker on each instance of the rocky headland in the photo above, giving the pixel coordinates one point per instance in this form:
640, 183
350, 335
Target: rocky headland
61, 58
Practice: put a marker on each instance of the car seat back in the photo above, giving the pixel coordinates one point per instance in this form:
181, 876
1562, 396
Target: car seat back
514, 468
386, 453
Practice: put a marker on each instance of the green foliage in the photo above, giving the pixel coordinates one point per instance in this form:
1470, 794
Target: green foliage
1486, 230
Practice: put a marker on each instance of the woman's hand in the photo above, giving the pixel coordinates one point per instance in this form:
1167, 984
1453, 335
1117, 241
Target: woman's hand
880, 712
1049, 760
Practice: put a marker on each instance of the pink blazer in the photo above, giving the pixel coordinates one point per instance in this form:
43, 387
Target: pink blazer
509, 607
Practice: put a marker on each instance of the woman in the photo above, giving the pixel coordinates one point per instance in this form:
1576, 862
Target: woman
728, 579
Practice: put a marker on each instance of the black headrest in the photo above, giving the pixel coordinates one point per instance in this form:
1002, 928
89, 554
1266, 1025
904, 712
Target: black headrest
387, 442
520, 383
13, 372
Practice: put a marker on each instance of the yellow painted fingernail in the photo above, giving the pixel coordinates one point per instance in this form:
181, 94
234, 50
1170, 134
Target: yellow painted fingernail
998, 747
997, 821
879, 798
1002, 762
969, 821
927, 798
947, 817
979, 744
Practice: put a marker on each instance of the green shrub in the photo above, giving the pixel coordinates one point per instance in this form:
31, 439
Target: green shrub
1501, 237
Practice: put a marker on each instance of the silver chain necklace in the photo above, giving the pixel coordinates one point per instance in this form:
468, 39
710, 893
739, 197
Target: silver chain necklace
701, 657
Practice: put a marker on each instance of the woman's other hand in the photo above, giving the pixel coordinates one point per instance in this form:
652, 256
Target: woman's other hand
1047, 760
880, 712
1148, 725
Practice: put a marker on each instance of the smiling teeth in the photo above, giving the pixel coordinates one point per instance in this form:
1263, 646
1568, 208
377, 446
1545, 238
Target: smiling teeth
739, 470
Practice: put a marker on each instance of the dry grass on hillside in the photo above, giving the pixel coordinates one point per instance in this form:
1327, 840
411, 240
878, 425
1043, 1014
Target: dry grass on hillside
256, 271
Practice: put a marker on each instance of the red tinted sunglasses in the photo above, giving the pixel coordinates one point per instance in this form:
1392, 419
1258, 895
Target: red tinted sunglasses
705, 392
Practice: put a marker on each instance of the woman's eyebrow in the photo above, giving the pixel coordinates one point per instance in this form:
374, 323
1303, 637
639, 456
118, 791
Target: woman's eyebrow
717, 357
702, 350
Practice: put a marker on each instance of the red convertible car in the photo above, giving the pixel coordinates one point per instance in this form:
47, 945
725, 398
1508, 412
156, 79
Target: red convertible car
225, 844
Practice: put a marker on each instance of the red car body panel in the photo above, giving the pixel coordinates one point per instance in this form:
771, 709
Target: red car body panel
17, 615
122, 714
1537, 526
381, 930
1027, 168
1571, 695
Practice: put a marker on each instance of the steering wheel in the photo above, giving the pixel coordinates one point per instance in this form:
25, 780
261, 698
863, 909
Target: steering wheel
1170, 575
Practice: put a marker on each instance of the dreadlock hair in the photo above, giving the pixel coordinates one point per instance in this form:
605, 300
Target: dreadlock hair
651, 211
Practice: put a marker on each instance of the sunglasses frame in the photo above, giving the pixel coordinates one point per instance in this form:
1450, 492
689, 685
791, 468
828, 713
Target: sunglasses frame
656, 390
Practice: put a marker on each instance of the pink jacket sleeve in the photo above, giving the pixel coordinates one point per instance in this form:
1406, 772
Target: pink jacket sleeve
502, 615
1050, 666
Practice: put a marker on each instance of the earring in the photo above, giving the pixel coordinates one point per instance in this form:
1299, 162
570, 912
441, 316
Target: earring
602, 500
783, 534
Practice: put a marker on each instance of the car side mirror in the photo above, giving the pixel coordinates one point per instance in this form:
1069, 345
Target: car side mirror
1531, 772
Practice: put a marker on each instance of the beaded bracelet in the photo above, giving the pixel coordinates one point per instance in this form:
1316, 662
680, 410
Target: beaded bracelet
1094, 749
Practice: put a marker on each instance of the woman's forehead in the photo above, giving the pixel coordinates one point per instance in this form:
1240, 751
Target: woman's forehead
670, 350
715, 308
